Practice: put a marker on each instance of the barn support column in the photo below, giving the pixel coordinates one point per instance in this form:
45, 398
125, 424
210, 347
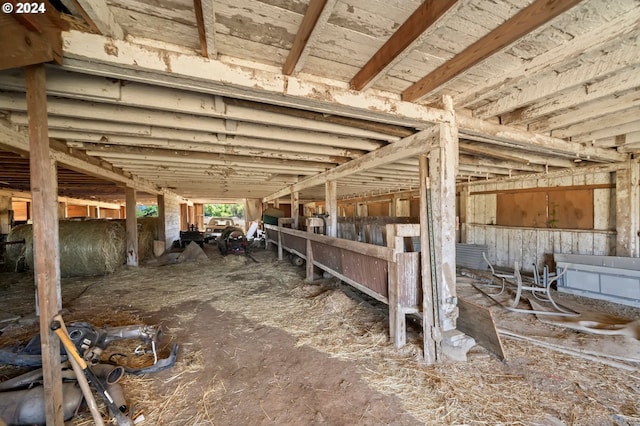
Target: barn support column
295, 208
160, 245
5, 214
628, 210
465, 213
132, 227
331, 207
437, 237
44, 195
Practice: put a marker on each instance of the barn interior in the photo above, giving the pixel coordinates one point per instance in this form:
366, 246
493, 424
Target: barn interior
447, 196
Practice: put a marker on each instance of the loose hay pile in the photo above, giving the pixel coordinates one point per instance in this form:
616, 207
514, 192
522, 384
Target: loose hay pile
87, 248
534, 386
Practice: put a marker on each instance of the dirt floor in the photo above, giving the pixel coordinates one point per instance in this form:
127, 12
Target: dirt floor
260, 346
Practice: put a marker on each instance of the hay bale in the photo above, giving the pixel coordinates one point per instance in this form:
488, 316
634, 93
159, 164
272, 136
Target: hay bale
87, 248
147, 233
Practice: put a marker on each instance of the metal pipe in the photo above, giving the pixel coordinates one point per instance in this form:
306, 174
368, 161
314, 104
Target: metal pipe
26, 406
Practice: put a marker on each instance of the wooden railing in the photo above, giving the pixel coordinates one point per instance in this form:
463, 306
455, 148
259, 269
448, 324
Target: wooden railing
389, 274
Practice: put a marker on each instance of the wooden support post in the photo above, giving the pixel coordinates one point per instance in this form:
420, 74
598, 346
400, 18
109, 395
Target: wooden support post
397, 317
44, 194
331, 207
431, 335
309, 264
627, 210
465, 213
280, 251
162, 227
295, 209
131, 224
162, 218
443, 162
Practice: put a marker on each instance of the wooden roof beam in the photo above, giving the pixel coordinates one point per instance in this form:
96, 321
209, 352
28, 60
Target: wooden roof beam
517, 157
206, 21
477, 129
18, 140
537, 14
29, 39
407, 147
315, 17
407, 35
98, 16
88, 54
593, 40
617, 65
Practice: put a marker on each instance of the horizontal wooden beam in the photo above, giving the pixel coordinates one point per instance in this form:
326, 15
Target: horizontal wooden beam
538, 13
90, 53
470, 127
100, 16
311, 17
420, 21
23, 44
407, 147
585, 43
17, 139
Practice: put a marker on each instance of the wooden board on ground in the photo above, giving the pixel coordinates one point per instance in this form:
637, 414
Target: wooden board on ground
477, 322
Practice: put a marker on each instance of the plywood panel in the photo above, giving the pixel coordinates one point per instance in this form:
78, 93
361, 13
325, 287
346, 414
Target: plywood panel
293, 242
327, 255
572, 209
379, 209
20, 210
477, 322
365, 270
521, 209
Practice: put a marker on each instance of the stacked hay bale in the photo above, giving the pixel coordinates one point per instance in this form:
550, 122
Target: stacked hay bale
147, 233
87, 247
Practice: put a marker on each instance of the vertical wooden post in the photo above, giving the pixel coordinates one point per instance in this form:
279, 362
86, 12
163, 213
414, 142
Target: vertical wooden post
429, 326
280, 251
162, 219
309, 263
46, 253
443, 162
131, 224
295, 208
465, 213
397, 318
627, 210
331, 207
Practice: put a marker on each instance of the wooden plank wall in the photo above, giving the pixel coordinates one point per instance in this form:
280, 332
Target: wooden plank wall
529, 245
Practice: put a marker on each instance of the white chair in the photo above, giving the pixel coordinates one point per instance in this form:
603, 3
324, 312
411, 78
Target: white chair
539, 290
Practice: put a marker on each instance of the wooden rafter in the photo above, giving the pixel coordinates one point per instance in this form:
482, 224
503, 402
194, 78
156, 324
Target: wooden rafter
407, 147
527, 20
424, 17
306, 28
99, 17
202, 33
